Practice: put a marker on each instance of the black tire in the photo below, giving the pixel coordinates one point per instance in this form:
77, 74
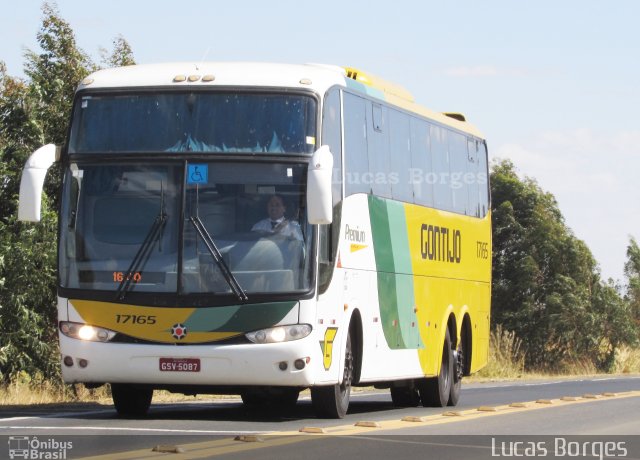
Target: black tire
288, 398
254, 400
333, 401
284, 398
405, 396
435, 391
131, 401
456, 377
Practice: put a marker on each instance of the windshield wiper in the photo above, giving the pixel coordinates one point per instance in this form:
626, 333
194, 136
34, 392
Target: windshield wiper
144, 251
215, 253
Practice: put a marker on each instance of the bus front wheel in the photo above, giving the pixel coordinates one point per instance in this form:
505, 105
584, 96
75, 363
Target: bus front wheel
333, 401
130, 401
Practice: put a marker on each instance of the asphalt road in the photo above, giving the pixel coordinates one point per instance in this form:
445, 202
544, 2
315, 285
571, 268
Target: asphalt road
601, 426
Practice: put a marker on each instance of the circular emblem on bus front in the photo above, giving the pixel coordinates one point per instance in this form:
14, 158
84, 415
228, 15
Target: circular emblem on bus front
178, 331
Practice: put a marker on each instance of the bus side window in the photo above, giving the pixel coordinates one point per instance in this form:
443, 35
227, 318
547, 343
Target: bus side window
329, 237
441, 169
355, 146
471, 177
459, 158
483, 179
399, 173
332, 136
421, 176
378, 151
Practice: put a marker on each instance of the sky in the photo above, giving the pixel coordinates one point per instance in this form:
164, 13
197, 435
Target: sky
553, 85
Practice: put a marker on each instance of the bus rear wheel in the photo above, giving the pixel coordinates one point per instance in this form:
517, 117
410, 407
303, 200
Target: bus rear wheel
435, 392
333, 401
129, 400
457, 372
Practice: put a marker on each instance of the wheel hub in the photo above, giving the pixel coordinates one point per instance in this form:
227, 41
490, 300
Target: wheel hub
458, 362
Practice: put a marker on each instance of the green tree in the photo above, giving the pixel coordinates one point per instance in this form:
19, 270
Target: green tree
27, 298
612, 322
33, 112
120, 56
19, 135
54, 73
27, 255
632, 273
546, 284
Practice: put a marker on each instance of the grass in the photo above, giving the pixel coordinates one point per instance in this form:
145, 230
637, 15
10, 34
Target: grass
507, 361
627, 361
21, 392
506, 357
26, 394
25, 391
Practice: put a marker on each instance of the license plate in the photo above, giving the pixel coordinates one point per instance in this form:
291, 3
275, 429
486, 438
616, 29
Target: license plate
180, 364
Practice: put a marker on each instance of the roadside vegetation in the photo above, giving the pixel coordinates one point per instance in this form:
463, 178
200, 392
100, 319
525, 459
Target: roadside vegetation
507, 362
552, 313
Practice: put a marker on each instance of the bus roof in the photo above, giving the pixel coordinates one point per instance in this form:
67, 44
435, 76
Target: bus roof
317, 77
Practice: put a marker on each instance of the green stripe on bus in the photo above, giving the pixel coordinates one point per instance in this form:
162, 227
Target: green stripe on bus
406, 311
387, 293
381, 235
238, 318
397, 222
388, 301
404, 278
395, 274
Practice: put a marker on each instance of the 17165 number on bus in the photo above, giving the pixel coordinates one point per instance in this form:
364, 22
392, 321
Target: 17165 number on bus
180, 364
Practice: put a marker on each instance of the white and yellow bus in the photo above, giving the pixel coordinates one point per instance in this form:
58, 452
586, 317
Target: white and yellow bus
259, 229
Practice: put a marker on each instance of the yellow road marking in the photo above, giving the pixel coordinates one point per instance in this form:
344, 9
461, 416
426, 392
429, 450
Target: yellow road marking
229, 445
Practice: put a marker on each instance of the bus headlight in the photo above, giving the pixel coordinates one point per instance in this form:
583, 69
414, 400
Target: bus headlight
280, 334
86, 332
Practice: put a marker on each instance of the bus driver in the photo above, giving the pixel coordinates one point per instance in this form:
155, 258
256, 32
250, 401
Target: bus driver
277, 222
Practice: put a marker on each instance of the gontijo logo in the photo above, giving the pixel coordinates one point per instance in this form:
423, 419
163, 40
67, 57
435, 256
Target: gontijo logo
441, 244
33, 448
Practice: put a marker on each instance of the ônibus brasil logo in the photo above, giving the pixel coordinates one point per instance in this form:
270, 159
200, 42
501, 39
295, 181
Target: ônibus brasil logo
178, 331
32, 447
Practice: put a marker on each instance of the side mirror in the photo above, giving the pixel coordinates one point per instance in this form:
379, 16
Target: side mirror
32, 182
319, 199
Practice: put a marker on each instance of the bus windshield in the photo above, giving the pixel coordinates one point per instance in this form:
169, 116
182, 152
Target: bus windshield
239, 230
173, 121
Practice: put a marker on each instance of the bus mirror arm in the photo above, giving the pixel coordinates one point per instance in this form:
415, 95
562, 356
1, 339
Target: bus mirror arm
32, 182
319, 199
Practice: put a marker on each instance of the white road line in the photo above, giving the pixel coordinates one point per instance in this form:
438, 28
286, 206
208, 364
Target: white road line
479, 385
15, 419
545, 383
150, 430
424, 443
59, 415
159, 406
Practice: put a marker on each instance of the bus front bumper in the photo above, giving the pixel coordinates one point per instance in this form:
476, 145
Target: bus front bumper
271, 364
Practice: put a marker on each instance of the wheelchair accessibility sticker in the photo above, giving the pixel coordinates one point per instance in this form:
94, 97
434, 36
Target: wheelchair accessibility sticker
197, 174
